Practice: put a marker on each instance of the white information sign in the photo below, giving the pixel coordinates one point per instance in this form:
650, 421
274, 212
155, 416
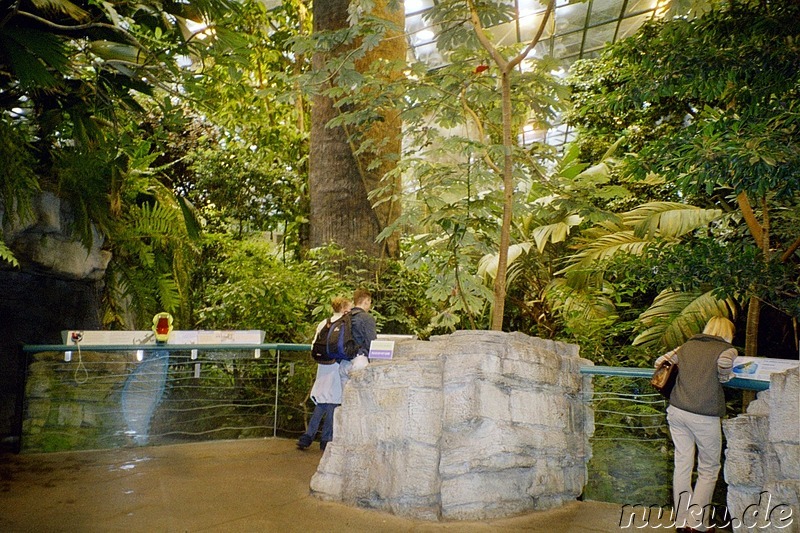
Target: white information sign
760, 368
89, 338
380, 349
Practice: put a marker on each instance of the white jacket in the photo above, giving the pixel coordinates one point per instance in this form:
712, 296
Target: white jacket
328, 385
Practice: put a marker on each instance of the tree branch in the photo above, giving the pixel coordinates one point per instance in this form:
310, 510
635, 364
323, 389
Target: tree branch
79, 27
471, 112
790, 250
750, 218
517, 60
484, 39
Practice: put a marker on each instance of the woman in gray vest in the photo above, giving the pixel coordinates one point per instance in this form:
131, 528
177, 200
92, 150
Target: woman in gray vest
696, 405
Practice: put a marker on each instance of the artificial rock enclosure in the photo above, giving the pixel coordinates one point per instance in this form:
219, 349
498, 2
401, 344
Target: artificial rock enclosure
468, 426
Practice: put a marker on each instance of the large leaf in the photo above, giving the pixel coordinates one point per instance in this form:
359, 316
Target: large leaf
118, 52
675, 316
668, 219
606, 247
556, 232
487, 266
62, 6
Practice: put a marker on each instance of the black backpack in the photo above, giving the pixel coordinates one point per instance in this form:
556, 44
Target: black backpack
335, 341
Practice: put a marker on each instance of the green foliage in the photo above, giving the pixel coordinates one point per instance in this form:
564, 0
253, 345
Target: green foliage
400, 301
704, 110
676, 316
247, 169
17, 177
709, 102
246, 286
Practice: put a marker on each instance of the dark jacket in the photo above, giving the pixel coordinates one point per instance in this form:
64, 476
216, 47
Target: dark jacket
363, 329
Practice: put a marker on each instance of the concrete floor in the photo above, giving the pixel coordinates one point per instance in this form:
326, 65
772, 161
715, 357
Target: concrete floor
249, 485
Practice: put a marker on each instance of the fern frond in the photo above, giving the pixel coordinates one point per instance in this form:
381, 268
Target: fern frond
7, 255
168, 294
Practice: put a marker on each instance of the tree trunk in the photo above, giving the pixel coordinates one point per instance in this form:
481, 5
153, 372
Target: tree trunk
341, 211
508, 205
760, 232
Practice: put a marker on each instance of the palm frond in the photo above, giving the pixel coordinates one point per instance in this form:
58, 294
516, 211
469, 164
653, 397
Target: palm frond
583, 304
487, 266
668, 219
63, 7
606, 247
675, 316
555, 232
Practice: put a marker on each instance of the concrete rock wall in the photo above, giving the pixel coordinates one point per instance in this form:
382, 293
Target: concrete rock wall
469, 426
57, 286
45, 240
762, 459
75, 405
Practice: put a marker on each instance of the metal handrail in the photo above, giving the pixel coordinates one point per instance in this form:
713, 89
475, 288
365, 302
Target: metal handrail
629, 372
35, 348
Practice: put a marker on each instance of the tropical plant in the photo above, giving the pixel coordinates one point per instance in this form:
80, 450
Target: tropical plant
714, 122
79, 84
456, 109
247, 168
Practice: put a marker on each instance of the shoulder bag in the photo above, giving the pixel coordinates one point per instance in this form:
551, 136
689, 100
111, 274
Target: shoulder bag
664, 377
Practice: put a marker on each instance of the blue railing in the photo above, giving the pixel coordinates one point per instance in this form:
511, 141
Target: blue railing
735, 383
35, 348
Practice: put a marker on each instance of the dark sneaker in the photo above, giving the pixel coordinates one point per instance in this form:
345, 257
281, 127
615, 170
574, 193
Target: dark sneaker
323, 445
304, 442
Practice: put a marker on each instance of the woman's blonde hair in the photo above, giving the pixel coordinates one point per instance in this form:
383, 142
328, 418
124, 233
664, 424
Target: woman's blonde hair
719, 326
340, 304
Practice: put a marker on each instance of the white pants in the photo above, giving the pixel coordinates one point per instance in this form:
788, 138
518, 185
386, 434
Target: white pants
690, 431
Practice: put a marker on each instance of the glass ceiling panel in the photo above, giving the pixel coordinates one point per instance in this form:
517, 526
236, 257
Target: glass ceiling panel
529, 25
604, 11
568, 45
638, 6
564, 34
599, 36
571, 17
629, 26
506, 34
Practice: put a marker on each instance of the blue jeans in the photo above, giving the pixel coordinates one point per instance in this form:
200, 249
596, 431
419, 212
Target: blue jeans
323, 412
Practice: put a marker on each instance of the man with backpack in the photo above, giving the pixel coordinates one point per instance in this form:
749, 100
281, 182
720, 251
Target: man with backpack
362, 326
364, 331
326, 392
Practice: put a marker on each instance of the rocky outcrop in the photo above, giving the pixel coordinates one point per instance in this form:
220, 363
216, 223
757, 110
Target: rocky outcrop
469, 426
57, 286
762, 459
45, 240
